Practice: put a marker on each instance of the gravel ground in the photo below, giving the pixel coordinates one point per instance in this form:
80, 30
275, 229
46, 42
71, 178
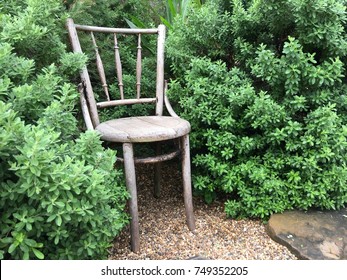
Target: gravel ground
164, 234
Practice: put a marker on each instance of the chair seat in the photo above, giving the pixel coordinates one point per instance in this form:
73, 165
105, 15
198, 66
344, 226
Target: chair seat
143, 129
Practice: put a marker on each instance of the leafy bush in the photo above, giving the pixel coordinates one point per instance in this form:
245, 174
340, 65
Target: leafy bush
204, 32
61, 197
105, 12
166, 11
269, 130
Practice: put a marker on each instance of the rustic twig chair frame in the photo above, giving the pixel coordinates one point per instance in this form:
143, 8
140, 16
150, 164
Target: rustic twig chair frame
142, 129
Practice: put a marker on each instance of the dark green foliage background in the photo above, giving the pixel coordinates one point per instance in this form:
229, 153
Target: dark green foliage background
264, 87
61, 197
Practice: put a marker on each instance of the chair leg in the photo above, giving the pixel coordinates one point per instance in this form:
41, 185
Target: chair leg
157, 173
187, 183
130, 177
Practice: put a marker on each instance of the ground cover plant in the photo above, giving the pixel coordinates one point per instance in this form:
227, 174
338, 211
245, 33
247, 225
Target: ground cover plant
61, 197
263, 85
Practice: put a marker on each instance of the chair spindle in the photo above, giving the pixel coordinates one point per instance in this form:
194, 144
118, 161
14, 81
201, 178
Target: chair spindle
100, 67
138, 68
118, 66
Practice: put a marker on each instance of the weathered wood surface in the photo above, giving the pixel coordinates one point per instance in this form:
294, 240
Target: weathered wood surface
84, 107
138, 68
118, 67
76, 46
130, 178
157, 173
155, 159
116, 30
160, 70
143, 129
187, 183
136, 129
112, 103
100, 67
169, 107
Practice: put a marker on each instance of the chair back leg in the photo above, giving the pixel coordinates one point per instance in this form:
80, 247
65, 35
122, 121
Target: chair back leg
130, 177
157, 173
187, 183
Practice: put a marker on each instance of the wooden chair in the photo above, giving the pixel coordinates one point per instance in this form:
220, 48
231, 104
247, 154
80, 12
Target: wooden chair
140, 129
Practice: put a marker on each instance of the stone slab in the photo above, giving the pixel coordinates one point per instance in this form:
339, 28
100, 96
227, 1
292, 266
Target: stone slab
314, 235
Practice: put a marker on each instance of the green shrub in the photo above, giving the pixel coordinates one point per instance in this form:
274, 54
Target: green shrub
33, 28
105, 12
204, 32
269, 133
61, 197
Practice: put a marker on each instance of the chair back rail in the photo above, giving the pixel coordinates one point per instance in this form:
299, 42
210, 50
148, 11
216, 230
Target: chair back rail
93, 105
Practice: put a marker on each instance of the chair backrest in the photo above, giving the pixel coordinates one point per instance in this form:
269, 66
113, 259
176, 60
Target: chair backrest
93, 106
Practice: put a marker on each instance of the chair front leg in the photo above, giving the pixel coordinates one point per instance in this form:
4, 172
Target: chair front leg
187, 182
130, 177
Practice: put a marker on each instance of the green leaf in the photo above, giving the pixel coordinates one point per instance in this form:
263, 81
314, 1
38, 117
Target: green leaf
60, 204
28, 227
26, 255
30, 242
51, 218
50, 208
56, 240
135, 22
38, 254
58, 220
13, 247
172, 12
6, 240
164, 21
24, 247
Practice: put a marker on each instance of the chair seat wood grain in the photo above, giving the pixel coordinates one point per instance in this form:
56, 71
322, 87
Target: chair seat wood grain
143, 129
